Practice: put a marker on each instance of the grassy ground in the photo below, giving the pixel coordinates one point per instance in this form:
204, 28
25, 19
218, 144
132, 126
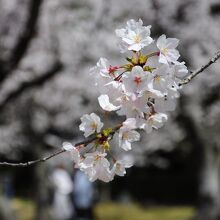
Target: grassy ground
25, 209
116, 211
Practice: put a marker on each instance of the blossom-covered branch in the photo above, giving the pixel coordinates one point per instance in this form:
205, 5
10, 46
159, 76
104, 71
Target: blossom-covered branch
144, 89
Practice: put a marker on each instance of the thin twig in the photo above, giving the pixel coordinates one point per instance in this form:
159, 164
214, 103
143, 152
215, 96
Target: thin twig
201, 69
86, 142
30, 163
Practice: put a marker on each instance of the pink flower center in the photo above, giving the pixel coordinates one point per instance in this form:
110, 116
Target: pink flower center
137, 80
112, 69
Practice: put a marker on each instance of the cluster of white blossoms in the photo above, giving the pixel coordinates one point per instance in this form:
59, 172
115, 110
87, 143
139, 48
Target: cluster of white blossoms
144, 90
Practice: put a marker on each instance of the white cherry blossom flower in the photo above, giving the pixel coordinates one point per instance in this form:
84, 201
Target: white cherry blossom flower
154, 121
119, 167
127, 134
158, 86
135, 36
133, 107
90, 124
102, 67
167, 46
136, 81
73, 151
101, 74
96, 166
179, 70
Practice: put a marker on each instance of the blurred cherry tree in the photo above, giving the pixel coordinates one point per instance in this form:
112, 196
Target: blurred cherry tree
46, 50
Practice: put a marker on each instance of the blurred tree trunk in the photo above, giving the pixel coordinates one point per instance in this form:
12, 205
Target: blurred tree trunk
209, 185
206, 165
41, 190
42, 200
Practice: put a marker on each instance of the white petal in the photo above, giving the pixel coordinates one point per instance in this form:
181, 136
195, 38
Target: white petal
130, 123
133, 136
105, 103
135, 47
126, 145
120, 32
68, 146
163, 59
172, 42
161, 42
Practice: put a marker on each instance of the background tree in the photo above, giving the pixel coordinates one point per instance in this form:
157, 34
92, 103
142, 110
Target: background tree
46, 50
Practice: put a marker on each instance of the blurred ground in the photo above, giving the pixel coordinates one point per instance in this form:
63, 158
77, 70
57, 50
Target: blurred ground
117, 211
24, 208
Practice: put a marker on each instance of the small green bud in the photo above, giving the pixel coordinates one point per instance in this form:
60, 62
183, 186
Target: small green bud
98, 136
128, 67
142, 59
106, 132
129, 59
148, 68
134, 60
106, 145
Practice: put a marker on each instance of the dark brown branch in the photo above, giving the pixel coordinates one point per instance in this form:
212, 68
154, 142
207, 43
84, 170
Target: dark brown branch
201, 69
39, 81
30, 163
23, 41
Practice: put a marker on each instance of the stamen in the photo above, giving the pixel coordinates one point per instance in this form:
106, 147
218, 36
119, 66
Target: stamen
93, 125
137, 38
137, 80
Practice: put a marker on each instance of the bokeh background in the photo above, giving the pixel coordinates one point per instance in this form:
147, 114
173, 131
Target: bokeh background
46, 50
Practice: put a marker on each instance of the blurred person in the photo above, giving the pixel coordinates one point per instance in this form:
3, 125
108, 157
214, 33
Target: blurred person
63, 208
7, 185
83, 196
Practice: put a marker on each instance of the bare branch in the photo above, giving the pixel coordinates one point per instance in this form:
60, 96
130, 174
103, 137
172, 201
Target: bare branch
23, 41
44, 159
201, 69
29, 163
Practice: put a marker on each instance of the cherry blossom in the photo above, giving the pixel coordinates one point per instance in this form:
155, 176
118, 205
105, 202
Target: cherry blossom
96, 166
179, 70
154, 121
127, 134
143, 90
74, 152
135, 36
135, 81
119, 167
90, 124
167, 46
